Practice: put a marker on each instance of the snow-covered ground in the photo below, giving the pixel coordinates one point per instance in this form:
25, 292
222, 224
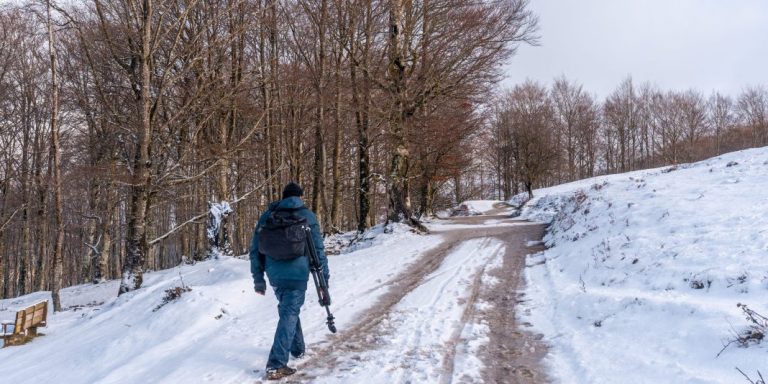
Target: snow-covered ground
479, 207
645, 270
470, 208
216, 333
425, 322
639, 285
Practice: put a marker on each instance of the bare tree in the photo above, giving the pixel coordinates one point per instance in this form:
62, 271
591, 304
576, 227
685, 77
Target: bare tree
56, 150
463, 41
693, 122
721, 117
621, 112
527, 118
753, 110
576, 122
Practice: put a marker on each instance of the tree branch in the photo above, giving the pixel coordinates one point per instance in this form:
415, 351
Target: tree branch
204, 214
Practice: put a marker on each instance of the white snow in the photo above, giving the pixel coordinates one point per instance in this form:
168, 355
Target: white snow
476, 208
645, 270
425, 325
480, 206
218, 332
221, 331
216, 213
639, 285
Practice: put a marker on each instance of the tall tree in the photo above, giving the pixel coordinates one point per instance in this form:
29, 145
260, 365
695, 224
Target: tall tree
527, 117
753, 110
463, 40
576, 122
621, 111
721, 117
56, 151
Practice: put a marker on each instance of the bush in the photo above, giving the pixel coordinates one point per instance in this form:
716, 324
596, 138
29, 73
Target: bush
753, 333
172, 294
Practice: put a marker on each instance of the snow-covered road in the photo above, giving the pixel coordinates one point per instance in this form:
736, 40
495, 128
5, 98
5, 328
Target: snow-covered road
434, 326
412, 342
409, 308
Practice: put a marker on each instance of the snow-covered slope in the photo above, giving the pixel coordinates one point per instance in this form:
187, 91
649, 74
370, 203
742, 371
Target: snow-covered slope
645, 269
218, 332
639, 285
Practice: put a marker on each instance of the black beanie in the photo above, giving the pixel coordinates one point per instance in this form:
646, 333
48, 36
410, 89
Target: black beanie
292, 189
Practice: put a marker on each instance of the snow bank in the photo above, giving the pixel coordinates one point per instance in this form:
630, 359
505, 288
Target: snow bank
645, 269
473, 208
379, 235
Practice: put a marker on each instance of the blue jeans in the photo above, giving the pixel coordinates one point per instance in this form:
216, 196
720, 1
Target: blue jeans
288, 336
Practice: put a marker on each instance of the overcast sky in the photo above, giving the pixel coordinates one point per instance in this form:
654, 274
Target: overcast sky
675, 44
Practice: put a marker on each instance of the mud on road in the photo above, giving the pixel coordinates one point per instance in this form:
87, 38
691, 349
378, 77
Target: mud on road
513, 355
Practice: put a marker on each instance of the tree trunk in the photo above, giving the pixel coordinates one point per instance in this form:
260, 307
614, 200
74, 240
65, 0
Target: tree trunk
427, 198
136, 240
101, 273
91, 253
200, 239
362, 108
336, 193
43, 277
457, 188
265, 88
25, 275
3, 258
361, 120
319, 172
223, 242
56, 150
399, 199
275, 104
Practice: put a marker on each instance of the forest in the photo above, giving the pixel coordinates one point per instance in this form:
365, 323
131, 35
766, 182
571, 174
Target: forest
139, 134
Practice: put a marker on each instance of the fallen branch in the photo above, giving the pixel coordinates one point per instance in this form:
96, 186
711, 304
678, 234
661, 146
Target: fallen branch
754, 333
205, 214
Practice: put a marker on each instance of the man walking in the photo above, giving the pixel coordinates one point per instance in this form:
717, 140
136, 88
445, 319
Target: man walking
288, 279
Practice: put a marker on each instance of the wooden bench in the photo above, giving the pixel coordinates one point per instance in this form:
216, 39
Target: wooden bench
26, 324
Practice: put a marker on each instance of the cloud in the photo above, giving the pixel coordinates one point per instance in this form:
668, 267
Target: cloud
675, 44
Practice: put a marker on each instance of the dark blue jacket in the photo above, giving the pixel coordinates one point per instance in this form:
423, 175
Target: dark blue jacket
291, 274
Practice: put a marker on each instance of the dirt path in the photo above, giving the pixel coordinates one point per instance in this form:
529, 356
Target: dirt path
511, 356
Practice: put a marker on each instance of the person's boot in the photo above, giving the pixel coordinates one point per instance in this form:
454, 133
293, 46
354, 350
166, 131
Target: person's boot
279, 373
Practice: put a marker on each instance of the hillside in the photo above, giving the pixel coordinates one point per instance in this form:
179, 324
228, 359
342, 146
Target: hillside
645, 270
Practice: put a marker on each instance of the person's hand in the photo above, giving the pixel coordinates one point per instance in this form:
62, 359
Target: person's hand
260, 288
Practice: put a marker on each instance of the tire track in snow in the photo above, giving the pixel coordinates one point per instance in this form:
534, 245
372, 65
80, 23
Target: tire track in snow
513, 355
340, 357
449, 360
355, 338
485, 250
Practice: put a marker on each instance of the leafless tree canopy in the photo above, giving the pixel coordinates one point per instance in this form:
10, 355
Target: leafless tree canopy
138, 134
635, 127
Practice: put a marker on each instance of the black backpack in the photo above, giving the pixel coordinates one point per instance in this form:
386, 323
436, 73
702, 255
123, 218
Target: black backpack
283, 235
